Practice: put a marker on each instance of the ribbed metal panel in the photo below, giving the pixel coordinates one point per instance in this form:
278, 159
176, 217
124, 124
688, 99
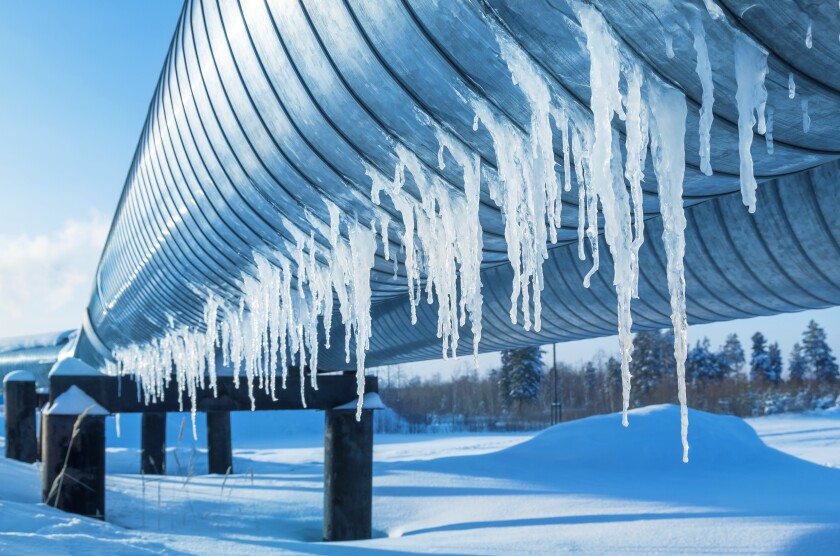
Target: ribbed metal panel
785, 259
263, 108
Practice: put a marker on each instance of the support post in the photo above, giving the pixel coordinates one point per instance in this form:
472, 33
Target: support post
74, 455
219, 450
21, 403
153, 443
348, 475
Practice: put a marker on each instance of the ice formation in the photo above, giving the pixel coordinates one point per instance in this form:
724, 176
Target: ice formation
605, 182
806, 119
669, 45
290, 294
751, 96
768, 135
704, 72
667, 132
809, 37
791, 86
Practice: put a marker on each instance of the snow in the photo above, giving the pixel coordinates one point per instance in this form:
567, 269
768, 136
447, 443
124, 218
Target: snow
585, 486
73, 367
371, 400
36, 340
810, 436
19, 376
74, 401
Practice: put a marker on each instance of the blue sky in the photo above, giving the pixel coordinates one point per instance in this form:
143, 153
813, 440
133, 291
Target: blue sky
77, 80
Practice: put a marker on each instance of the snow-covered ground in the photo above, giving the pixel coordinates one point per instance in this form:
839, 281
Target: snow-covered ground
588, 486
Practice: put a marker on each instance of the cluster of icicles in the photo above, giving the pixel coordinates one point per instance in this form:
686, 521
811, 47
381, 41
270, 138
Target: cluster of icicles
281, 306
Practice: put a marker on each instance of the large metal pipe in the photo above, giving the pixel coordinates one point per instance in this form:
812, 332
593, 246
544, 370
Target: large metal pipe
264, 109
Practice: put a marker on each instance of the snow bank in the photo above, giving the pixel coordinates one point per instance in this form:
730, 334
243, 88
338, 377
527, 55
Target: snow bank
651, 443
589, 487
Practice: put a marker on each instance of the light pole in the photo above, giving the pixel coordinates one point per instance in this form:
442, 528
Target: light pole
556, 411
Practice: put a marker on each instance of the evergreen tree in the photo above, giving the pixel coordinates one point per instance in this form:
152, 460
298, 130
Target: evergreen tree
821, 363
590, 376
759, 361
519, 378
732, 353
696, 361
613, 380
667, 360
590, 382
774, 364
614, 371
646, 362
702, 365
798, 365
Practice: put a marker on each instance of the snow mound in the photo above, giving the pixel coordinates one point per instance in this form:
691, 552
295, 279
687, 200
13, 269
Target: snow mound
19, 376
75, 402
371, 400
651, 440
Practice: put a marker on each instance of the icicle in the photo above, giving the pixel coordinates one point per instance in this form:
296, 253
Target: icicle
669, 45
589, 201
750, 69
526, 75
636, 147
362, 250
768, 136
704, 72
668, 113
806, 119
469, 238
561, 120
809, 38
606, 177
791, 86
211, 339
715, 11
523, 204
384, 222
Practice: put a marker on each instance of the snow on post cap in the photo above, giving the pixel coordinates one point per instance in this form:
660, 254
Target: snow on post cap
371, 400
73, 367
19, 376
74, 401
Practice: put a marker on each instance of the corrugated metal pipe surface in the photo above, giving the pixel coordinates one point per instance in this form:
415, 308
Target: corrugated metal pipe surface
266, 108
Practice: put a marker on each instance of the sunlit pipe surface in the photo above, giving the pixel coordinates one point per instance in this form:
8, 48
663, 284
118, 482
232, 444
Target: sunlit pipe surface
264, 108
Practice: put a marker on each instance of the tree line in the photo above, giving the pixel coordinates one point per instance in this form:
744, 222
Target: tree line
520, 394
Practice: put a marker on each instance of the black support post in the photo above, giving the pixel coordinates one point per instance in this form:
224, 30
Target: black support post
21, 403
153, 441
219, 450
74, 456
348, 475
